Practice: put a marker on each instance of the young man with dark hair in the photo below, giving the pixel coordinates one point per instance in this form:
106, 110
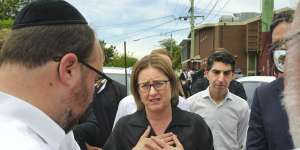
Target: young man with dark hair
225, 113
268, 124
235, 87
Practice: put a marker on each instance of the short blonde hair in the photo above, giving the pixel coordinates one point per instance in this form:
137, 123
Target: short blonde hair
157, 62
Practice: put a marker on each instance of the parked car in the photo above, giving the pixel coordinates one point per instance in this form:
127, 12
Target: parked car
118, 74
250, 83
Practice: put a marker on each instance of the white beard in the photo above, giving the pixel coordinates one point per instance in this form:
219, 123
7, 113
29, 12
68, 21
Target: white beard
292, 80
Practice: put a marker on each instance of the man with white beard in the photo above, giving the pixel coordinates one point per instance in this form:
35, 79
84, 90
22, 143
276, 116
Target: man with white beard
268, 124
292, 79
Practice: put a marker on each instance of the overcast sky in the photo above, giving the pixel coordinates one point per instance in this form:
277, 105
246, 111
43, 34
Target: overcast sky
143, 23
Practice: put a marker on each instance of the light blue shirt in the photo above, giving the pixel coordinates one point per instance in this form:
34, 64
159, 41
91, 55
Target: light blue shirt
227, 120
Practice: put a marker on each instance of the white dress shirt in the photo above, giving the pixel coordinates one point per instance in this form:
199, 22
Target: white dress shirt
23, 126
227, 120
128, 106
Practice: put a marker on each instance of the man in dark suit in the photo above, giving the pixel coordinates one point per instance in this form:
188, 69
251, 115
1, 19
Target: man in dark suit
97, 126
268, 125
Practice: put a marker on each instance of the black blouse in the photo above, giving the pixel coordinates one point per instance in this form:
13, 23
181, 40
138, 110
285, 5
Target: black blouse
190, 128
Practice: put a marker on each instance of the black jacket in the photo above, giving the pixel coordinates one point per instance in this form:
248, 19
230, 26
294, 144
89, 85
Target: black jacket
268, 125
235, 87
97, 127
190, 128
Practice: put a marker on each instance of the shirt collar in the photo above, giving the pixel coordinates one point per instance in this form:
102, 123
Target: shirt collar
178, 118
34, 118
206, 95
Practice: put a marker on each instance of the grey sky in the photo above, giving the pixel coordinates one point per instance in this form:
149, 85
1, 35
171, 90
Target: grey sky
116, 21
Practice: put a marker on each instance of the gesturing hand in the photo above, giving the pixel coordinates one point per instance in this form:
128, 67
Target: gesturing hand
161, 145
160, 142
143, 140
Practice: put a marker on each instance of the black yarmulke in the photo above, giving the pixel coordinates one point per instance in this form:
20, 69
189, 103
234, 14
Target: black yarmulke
48, 12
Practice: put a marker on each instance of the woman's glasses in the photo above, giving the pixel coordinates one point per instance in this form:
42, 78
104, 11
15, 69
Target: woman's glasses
156, 84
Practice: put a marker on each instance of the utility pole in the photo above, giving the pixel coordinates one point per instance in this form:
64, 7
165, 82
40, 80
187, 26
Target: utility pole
125, 62
192, 22
265, 66
267, 14
192, 18
171, 47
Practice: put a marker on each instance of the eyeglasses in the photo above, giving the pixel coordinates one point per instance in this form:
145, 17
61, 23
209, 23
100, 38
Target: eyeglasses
284, 41
279, 59
279, 51
156, 84
100, 74
218, 72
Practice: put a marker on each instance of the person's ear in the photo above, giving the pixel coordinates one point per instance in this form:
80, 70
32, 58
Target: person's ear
69, 68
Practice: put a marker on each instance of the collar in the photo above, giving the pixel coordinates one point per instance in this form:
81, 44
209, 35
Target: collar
104, 81
206, 95
48, 130
179, 118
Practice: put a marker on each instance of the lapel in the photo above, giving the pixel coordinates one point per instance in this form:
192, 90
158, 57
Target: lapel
279, 88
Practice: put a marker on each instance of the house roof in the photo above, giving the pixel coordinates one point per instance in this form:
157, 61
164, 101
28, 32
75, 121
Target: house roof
238, 23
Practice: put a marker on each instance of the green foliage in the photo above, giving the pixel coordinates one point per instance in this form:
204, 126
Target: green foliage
174, 50
113, 58
6, 23
119, 61
109, 52
10, 8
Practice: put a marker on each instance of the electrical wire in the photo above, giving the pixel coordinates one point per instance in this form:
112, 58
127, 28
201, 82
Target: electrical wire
209, 13
161, 34
138, 32
132, 23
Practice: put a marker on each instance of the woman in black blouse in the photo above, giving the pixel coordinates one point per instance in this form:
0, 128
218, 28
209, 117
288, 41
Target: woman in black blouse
158, 122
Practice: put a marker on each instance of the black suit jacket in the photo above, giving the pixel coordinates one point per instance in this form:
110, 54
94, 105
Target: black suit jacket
268, 125
190, 128
101, 114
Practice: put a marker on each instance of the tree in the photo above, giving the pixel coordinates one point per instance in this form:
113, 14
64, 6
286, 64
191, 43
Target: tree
113, 58
109, 52
9, 10
174, 50
119, 61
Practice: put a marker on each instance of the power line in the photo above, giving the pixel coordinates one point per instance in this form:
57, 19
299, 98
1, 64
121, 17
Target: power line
130, 23
218, 12
135, 33
211, 10
223, 6
161, 34
204, 7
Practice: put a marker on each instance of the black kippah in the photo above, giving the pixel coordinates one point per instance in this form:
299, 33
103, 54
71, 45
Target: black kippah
48, 12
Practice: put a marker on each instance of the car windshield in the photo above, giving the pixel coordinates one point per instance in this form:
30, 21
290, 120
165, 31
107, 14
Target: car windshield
250, 88
121, 79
